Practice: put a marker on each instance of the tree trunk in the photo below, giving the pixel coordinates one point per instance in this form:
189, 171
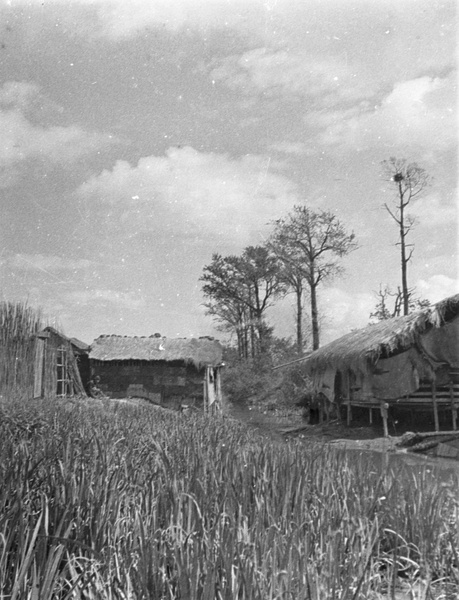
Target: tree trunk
245, 342
405, 293
314, 317
299, 322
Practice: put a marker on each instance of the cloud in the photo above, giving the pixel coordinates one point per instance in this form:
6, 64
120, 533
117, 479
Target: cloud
435, 210
437, 287
282, 72
344, 311
24, 140
18, 94
48, 263
105, 297
417, 116
192, 193
290, 148
119, 19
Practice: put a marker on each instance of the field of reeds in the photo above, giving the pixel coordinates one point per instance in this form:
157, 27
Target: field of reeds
113, 501
18, 325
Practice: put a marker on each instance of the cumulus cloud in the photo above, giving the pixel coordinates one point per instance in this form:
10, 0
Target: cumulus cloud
22, 139
437, 287
290, 148
417, 115
344, 311
18, 94
119, 19
280, 72
187, 191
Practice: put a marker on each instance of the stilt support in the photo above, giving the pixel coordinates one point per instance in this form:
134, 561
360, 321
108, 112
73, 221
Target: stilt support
349, 412
435, 406
453, 406
384, 407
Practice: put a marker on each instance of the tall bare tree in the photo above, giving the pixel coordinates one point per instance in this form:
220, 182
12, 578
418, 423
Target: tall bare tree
309, 244
410, 181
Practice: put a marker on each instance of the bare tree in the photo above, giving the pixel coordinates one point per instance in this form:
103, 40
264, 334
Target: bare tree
308, 244
410, 181
383, 309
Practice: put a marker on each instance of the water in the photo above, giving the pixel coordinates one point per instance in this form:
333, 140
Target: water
445, 470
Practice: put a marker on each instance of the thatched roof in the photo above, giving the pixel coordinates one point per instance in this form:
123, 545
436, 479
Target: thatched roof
200, 352
365, 346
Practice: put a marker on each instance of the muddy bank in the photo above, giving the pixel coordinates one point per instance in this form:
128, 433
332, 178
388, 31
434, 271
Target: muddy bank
289, 424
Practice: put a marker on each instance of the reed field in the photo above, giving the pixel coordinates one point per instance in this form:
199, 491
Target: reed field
18, 325
104, 500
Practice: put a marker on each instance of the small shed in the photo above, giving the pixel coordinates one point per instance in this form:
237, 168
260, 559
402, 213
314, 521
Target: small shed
169, 372
410, 361
56, 371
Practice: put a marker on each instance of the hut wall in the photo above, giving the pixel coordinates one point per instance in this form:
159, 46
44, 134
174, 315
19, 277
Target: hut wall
59, 373
442, 344
82, 360
166, 383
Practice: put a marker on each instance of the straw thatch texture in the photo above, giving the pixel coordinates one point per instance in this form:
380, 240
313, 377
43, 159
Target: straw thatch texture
361, 348
18, 325
199, 352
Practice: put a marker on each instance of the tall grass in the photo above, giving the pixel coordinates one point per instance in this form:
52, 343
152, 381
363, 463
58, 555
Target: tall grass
121, 502
18, 324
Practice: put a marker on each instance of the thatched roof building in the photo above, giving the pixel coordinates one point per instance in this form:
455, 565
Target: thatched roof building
199, 352
393, 360
35, 360
166, 371
364, 347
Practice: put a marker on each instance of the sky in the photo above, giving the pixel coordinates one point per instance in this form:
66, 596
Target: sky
138, 138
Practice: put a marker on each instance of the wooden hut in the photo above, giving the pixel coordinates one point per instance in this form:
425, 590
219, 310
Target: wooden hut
56, 371
36, 360
168, 372
409, 362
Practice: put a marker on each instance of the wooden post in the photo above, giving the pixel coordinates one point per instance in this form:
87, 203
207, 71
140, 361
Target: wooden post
39, 364
338, 411
218, 392
349, 412
453, 406
384, 407
435, 406
205, 395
